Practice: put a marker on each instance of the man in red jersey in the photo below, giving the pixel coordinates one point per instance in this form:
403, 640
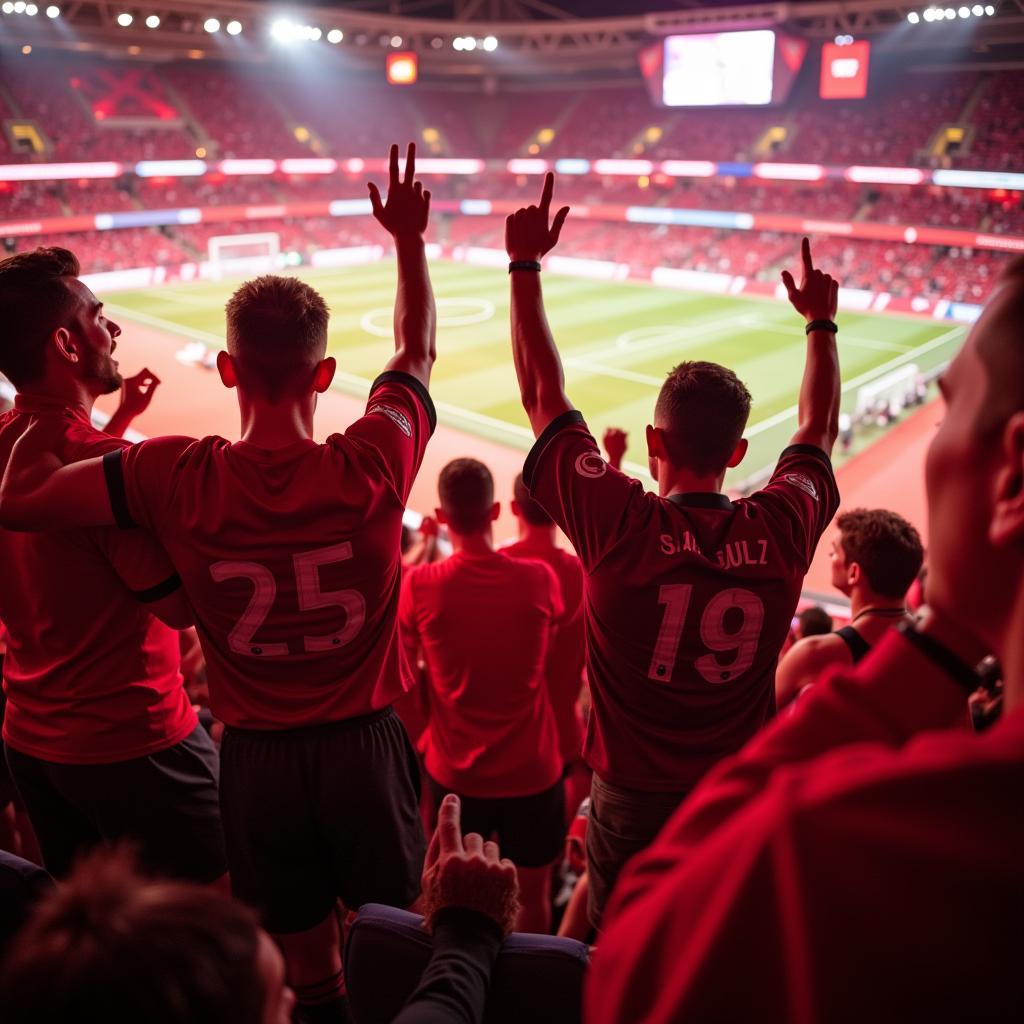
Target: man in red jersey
564, 667
290, 553
861, 859
484, 623
100, 737
689, 595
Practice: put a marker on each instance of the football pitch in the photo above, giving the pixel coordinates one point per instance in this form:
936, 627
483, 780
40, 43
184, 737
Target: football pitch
617, 341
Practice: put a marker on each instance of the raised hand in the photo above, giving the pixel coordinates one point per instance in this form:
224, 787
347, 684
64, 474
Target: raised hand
614, 441
817, 298
407, 208
467, 872
527, 234
137, 393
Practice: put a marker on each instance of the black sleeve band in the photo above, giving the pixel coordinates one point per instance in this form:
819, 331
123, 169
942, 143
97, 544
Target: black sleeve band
808, 449
940, 655
415, 385
113, 471
556, 426
159, 591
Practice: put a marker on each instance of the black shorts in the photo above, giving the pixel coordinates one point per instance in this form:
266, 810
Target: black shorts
530, 829
165, 803
8, 792
319, 814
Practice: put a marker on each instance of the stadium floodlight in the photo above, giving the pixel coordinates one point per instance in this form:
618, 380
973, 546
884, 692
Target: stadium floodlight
124, 19
31, 10
8, 7
990, 10
950, 13
929, 14
396, 42
490, 44
233, 28
211, 25
335, 36
977, 10
19, 7
437, 42
964, 12
153, 21
52, 11
913, 17
284, 30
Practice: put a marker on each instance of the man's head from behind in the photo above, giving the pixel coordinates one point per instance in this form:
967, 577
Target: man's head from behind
975, 473
525, 508
112, 946
877, 552
277, 339
699, 419
466, 490
54, 329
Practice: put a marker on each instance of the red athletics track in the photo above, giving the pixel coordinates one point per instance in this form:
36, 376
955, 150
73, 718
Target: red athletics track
191, 400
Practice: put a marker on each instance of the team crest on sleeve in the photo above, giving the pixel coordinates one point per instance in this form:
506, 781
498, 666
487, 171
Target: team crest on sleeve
805, 483
395, 415
591, 465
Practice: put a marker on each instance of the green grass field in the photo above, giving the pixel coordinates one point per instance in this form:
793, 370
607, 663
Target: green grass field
617, 342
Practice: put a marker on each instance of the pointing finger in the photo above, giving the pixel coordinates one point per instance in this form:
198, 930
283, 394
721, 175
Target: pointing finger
805, 252
449, 820
410, 163
546, 193
393, 166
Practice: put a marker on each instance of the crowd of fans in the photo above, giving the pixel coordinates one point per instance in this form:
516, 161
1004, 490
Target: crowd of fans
353, 691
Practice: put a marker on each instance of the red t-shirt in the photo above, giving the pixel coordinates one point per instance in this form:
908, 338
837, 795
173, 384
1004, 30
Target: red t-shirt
291, 557
858, 860
484, 622
90, 676
688, 602
567, 651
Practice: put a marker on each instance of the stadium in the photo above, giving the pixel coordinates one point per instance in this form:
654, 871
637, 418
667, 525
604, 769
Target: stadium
180, 149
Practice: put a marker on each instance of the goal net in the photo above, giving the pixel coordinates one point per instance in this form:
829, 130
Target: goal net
244, 254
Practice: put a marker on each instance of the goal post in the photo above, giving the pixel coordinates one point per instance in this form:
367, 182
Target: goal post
257, 253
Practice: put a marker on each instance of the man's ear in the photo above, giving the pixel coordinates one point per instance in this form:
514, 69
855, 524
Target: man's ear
853, 573
440, 516
738, 453
65, 344
495, 511
1007, 526
226, 369
514, 506
324, 374
655, 443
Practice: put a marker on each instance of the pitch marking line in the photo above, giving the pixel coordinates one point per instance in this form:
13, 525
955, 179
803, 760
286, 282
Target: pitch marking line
474, 311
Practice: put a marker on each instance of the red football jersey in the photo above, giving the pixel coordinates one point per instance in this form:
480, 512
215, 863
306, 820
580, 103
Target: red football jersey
567, 651
688, 602
484, 622
290, 557
91, 677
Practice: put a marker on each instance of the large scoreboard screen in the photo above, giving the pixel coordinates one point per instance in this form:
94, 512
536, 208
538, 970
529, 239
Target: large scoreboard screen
720, 69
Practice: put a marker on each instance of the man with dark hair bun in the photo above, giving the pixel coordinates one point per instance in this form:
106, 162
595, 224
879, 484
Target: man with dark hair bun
689, 595
484, 622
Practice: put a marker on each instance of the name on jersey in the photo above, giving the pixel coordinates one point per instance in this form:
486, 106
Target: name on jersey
730, 556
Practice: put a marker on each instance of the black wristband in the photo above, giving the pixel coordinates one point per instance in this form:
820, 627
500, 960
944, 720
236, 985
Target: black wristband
524, 265
940, 655
822, 325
